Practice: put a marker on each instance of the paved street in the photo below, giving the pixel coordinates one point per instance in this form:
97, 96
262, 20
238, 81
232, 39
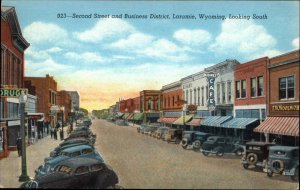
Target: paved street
144, 162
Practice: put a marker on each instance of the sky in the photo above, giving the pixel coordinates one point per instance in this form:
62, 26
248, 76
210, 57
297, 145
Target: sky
106, 59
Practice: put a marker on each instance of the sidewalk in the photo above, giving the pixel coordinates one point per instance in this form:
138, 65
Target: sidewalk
10, 167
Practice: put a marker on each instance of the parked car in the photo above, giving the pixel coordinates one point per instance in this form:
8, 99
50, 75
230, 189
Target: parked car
86, 151
79, 173
83, 134
256, 154
87, 122
283, 160
75, 142
174, 135
159, 132
140, 128
121, 122
194, 138
149, 130
219, 145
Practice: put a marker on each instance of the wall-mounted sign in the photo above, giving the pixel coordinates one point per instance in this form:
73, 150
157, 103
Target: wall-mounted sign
191, 109
12, 92
210, 77
285, 108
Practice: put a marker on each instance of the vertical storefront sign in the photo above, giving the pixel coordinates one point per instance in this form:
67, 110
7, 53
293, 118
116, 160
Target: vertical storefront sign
210, 77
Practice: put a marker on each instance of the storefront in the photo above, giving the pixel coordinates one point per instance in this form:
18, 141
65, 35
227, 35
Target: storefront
13, 128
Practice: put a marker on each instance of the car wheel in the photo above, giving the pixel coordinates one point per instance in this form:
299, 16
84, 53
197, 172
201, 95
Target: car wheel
205, 153
184, 144
196, 145
269, 173
278, 166
246, 166
251, 158
239, 152
295, 177
220, 153
177, 141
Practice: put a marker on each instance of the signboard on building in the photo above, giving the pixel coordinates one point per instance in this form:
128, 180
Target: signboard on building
284, 109
12, 92
191, 109
210, 77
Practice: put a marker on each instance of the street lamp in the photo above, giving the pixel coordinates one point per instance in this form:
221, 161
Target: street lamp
22, 100
62, 120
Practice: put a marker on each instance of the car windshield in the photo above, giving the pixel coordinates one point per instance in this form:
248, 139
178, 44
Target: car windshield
279, 153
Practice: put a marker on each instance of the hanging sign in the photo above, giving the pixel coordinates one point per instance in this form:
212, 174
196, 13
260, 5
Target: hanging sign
210, 77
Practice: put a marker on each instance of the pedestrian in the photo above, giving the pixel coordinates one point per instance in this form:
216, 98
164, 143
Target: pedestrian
19, 146
57, 125
51, 132
55, 133
61, 134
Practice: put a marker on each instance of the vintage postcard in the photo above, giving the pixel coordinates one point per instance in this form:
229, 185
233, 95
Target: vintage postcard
149, 94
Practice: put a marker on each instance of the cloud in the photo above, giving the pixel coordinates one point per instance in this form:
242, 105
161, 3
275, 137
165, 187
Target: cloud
39, 32
33, 53
88, 57
48, 66
295, 43
105, 29
192, 37
243, 37
135, 40
54, 50
267, 53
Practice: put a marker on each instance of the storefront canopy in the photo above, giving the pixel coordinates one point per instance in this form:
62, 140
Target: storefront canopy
240, 123
179, 121
280, 125
125, 116
168, 120
130, 116
194, 122
120, 114
215, 121
138, 116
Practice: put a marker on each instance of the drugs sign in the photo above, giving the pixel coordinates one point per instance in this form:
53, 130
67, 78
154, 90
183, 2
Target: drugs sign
12, 92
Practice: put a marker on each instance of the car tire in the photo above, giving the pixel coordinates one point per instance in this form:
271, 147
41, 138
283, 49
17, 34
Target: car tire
184, 145
277, 166
251, 158
197, 145
220, 153
239, 152
246, 166
295, 177
177, 141
205, 153
270, 174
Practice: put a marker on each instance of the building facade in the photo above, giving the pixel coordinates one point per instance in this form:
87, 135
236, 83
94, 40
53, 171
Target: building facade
282, 122
150, 101
45, 88
13, 46
75, 100
250, 89
64, 100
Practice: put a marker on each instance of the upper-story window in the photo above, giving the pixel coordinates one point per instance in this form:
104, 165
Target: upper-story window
238, 89
253, 87
229, 91
257, 86
223, 93
165, 102
191, 97
187, 96
286, 87
260, 86
243, 87
173, 101
218, 93
202, 96
150, 104
168, 101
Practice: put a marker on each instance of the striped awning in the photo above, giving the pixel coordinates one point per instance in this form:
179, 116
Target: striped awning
215, 121
183, 120
240, 123
125, 115
130, 117
280, 125
169, 120
195, 122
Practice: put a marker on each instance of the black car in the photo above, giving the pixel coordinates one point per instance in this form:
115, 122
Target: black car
83, 134
283, 160
77, 173
220, 145
194, 138
256, 154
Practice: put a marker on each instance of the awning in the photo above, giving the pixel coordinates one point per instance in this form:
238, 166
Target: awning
239, 123
169, 120
130, 117
125, 115
36, 116
280, 125
152, 114
179, 121
138, 116
195, 122
215, 121
120, 114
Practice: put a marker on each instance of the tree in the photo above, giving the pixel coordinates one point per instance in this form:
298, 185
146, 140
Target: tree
85, 111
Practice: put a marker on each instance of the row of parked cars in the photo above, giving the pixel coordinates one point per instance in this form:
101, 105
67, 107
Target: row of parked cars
75, 163
271, 158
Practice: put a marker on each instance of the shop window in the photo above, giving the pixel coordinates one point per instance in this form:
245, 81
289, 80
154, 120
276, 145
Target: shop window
253, 87
260, 88
238, 89
2, 108
286, 87
165, 102
1, 139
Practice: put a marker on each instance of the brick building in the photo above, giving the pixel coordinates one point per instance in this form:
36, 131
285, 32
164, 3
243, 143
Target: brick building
64, 100
13, 46
282, 122
171, 94
45, 88
150, 101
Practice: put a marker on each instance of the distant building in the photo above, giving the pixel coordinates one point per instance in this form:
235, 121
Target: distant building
64, 100
13, 46
75, 100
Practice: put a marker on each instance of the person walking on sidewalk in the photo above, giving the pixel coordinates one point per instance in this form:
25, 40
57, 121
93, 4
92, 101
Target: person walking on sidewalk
19, 146
61, 134
55, 133
51, 132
